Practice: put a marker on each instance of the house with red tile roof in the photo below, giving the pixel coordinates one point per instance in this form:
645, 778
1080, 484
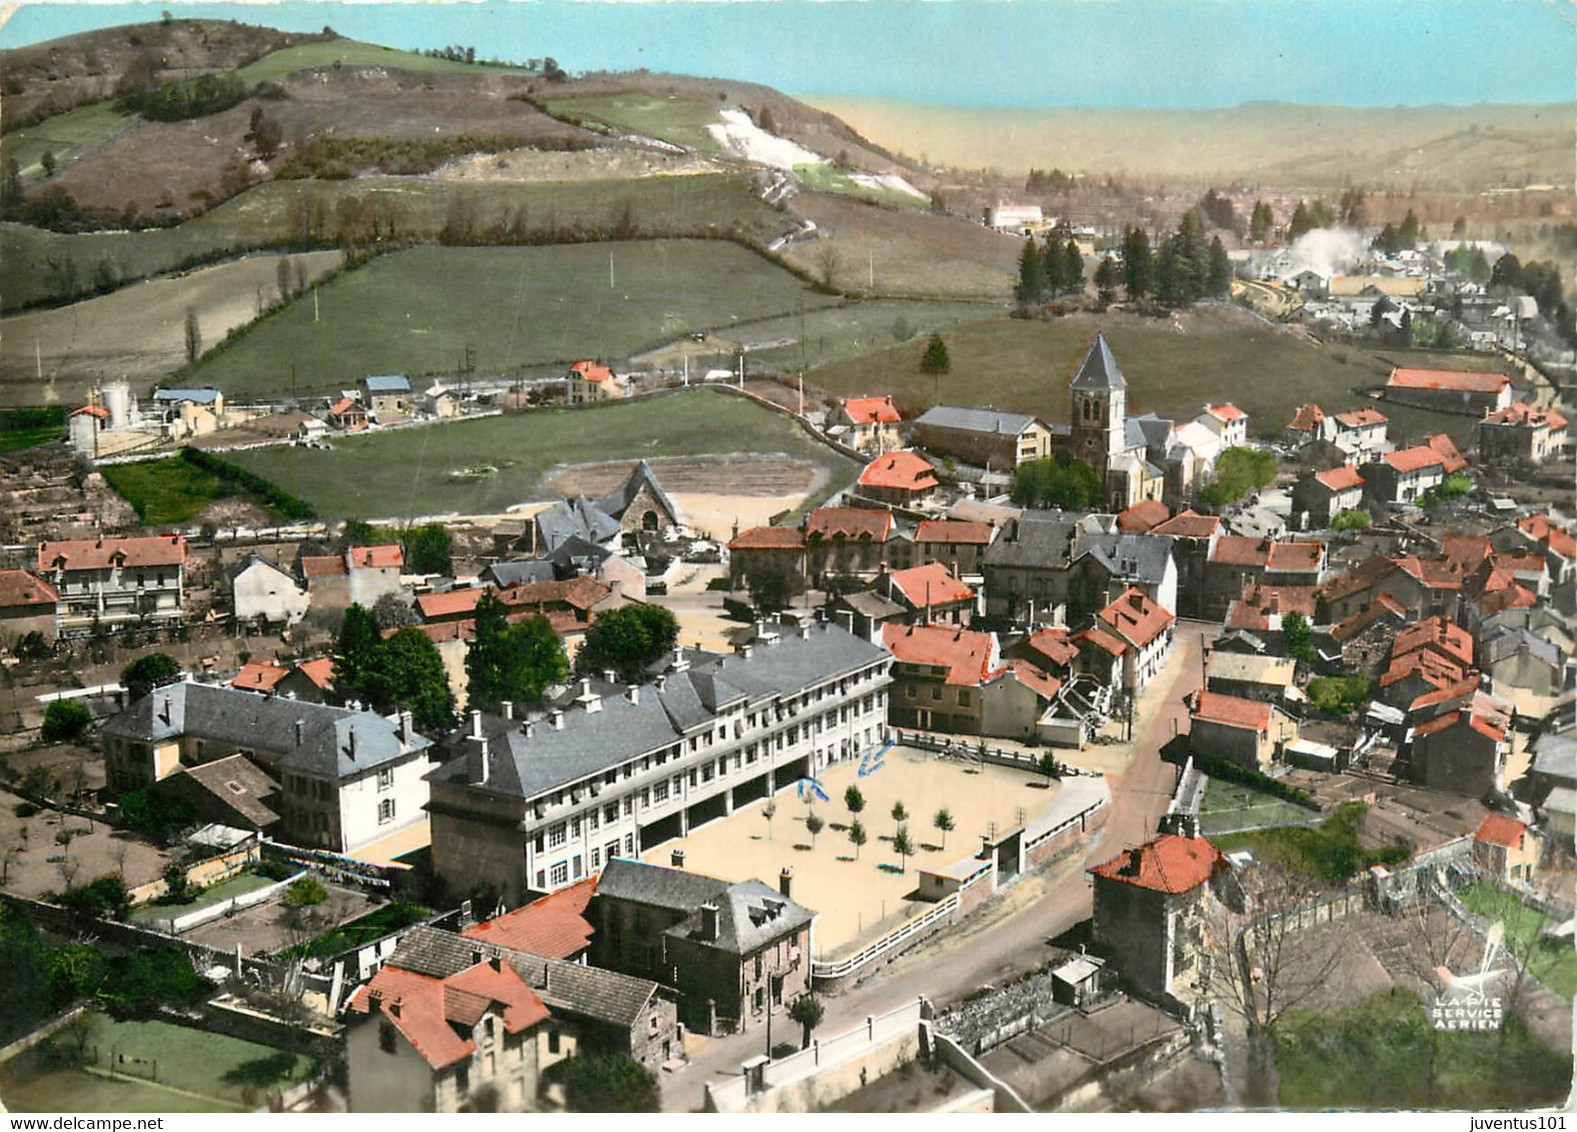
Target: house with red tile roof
374, 571
1449, 390
901, 479
1050, 649
1438, 635
866, 424
477, 1040
937, 674
554, 926
1262, 607
1558, 547
27, 605
958, 544
1143, 516
1246, 732
1362, 434
347, 415
1129, 641
846, 541
1404, 475
1411, 678
930, 593
1385, 612
1227, 421
588, 382
1320, 496
116, 584
767, 550
1507, 849
1522, 432
1463, 751
1151, 904
308, 680
1307, 424
1013, 701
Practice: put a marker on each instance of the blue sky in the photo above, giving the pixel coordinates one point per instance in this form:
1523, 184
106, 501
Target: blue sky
1114, 53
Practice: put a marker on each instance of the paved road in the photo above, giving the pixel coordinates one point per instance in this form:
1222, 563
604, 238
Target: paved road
1009, 936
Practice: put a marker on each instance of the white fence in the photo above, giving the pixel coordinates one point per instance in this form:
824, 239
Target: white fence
175, 925
892, 941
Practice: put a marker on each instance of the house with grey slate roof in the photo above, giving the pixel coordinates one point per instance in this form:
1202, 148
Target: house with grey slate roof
609, 1012
732, 951
988, 438
528, 806
346, 777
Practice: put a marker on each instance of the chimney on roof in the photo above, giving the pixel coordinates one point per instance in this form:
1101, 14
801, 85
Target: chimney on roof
161, 705
301, 731
804, 631
407, 727
709, 922
635, 693
786, 882
745, 650
610, 675
528, 728
476, 724
350, 743
476, 759
394, 1007
556, 719
496, 962
507, 708
1136, 599
476, 956
1130, 867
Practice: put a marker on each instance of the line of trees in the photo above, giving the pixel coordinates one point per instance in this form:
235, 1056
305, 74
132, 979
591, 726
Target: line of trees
189, 98
1183, 268
239, 480
1049, 269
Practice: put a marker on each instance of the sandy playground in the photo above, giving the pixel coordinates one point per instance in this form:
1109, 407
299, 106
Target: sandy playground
857, 898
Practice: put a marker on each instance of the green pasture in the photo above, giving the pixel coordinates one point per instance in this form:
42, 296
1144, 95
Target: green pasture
669, 118
1553, 961
835, 334
402, 473
348, 53
65, 135
828, 178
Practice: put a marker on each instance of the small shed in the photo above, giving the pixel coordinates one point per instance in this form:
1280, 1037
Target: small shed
1078, 981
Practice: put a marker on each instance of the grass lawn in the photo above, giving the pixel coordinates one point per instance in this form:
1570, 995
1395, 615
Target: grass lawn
1378, 1054
374, 925
37, 261
417, 311
1552, 961
1329, 853
828, 178
351, 53
1025, 365
216, 894
394, 475
180, 1070
835, 334
1230, 806
164, 491
65, 135
669, 118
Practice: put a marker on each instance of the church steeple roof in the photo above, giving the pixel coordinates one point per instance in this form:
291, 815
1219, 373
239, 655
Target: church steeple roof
1099, 369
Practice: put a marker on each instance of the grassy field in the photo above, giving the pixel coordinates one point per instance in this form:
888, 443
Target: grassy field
1221, 353
830, 179
65, 135
1230, 806
417, 311
1552, 961
669, 118
178, 1070
38, 262
164, 491
138, 332
1330, 853
1379, 1053
350, 53
394, 475
835, 334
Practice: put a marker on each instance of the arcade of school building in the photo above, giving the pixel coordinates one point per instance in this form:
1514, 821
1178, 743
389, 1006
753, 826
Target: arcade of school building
531, 806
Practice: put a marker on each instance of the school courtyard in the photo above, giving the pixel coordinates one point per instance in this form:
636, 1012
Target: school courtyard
862, 894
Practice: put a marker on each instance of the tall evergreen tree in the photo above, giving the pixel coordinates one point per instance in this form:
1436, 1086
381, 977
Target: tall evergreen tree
1260, 222
356, 657
1031, 274
1408, 233
1301, 221
1220, 278
510, 662
1138, 269
412, 676
1072, 274
1106, 279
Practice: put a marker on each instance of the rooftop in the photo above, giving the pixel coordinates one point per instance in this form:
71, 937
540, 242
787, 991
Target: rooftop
1136, 618
901, 471
1099, 370
20, 588
554, 926
105, 553
1520, 413
1232, 711
1170, 863
969, 657
996, 422
1464, 381
1143, 516
872, 410
955, 532
1189, 524
928, 585
852, 523
1498, 829
1343, 478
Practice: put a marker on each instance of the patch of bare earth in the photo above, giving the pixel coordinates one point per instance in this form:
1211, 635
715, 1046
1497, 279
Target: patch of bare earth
607, 164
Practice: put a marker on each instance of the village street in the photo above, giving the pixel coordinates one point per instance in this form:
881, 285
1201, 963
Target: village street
1019, 923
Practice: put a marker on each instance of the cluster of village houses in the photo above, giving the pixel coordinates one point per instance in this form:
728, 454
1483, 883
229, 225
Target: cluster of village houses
944, 612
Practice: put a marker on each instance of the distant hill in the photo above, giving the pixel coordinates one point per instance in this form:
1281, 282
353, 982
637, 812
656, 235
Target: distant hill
1450, 149
49, 78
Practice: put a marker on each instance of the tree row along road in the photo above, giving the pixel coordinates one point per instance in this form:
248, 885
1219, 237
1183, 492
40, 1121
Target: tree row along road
1008, 937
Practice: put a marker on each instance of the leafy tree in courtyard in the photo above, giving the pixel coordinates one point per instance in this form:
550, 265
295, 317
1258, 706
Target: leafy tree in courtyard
1056, 481
427, 549
769, 811
511, 662
1352, 519
900, 813
356, 656
853, 800
808, 1011
146, 673
1238, 472
65, 721
626, 640
605, 1082
935, 359
413, 677
771, 590
814, 825
1295, 630
943, 821
392, 611
1047, 765
857, 836
903, 847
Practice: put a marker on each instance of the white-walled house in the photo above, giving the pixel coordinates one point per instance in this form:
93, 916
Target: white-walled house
261, 590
